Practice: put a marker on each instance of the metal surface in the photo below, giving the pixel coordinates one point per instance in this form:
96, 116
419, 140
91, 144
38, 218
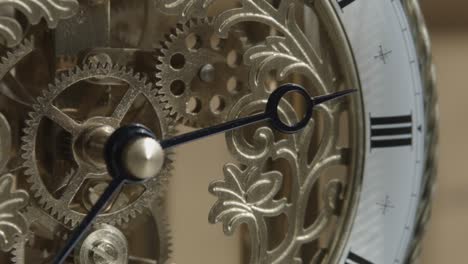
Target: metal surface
294, 195
83, 174
12, 222
89, 145
249, 194
11, 31
144, 158
105, 245
31, 64
200, 75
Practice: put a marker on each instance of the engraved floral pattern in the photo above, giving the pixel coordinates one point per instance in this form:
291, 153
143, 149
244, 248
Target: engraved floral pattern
249, 195
12, 222
52, 11
243, 195
186, 8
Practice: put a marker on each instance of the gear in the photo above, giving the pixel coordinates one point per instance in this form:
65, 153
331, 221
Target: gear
110, 246
163, 231
58, 127
50, 236
39, 244
200, 74
15, 56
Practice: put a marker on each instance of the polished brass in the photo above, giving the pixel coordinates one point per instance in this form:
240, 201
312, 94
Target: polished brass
74, 71
89, 145
144, 158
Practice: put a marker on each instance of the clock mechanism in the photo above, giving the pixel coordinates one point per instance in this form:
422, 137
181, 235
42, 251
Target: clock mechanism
82, 81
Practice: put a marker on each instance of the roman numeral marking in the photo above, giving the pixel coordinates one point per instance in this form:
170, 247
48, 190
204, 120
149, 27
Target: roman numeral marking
391, 131
355, 259
344, 3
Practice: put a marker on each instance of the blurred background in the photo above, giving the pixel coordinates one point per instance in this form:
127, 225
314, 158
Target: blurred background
447, 234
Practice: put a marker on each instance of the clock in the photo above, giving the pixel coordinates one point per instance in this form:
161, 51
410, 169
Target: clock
215, 131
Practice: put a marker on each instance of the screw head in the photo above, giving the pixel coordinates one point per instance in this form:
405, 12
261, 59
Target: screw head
207, 73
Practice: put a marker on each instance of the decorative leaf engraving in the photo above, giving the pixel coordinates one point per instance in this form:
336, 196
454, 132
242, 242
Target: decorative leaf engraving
186, 8
232, 208
12, 222
292, 51
243, 195
276, 54
286, 53
52, 11
247, 196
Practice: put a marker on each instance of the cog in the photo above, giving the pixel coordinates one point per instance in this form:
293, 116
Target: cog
38, 245
15, 56
52, 128
199, 74
108, 244
164, 236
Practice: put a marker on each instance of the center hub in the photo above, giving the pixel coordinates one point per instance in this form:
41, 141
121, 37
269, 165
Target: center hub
89, 145
143, 158
140, 155
132, 153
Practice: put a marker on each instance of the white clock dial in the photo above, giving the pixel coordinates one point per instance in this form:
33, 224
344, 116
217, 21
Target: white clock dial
384, 51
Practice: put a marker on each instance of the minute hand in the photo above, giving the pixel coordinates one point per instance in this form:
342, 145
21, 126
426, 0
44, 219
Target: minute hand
270, 114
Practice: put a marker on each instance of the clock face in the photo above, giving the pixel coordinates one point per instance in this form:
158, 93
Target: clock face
380, 35
344, 189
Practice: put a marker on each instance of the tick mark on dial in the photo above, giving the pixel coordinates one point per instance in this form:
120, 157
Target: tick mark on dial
383, 54
386, 205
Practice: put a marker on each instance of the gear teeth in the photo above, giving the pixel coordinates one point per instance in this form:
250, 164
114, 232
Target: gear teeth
165, 75
17, 253
14, 56
56, 208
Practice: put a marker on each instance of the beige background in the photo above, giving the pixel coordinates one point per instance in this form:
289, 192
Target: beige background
447, 235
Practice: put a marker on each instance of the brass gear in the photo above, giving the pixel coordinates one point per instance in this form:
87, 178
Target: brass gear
38, 246
200, 74
151, 227
60, 200
31, 245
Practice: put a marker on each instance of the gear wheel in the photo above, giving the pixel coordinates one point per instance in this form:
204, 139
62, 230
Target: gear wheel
151, 227
88, 179
52, 236
199, 74
39, 244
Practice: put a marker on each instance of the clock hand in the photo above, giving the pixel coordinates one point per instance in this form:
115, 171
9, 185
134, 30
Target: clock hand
133, 153
115, 145
79, 231
271, 114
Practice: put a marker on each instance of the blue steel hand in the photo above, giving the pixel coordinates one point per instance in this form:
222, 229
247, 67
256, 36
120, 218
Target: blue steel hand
124, 135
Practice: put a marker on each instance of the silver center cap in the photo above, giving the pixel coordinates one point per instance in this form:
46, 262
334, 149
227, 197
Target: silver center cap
144, 158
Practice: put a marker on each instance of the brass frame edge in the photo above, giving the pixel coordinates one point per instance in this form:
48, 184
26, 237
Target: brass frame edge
427, 68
